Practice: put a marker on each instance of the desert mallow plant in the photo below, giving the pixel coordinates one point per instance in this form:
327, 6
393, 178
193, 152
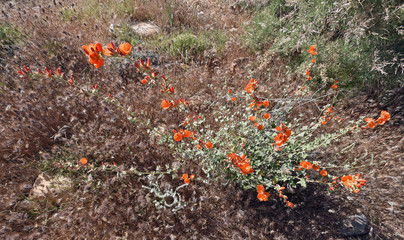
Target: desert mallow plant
251, 141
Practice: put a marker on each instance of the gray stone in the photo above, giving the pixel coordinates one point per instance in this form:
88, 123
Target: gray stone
27, 186
54, 190
355, 225
145, 29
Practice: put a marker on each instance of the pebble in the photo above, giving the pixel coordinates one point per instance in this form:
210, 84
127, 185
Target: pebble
354, 225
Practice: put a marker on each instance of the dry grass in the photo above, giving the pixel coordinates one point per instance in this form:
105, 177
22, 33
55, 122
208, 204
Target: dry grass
33, 111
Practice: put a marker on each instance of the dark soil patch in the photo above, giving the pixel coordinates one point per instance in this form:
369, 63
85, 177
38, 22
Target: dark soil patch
32, 113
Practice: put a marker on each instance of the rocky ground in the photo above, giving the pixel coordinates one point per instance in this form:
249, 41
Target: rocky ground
44, 121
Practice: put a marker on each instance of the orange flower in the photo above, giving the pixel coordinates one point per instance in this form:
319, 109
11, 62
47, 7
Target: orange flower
177, 137
260, 127
372, 124
380, 121
305, 164
316, 167
347, 180
313, 60
252, 118
249, 88
98, 46
83, 161
279, 137
198, 146
233, 99
265, 103
186, 179
369, 120
266, 115
246, 168
144, 81
263, 196
88, 49
187, 133
165, 104
279, 188
125, 48
323, 173
385, 115
312, 50
290, 204
92, 51
96, 59
334, 86
110, 50
209, 145
260, 188
240, 162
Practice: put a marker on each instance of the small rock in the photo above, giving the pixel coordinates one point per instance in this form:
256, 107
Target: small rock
145, 29
25, 188
52, 189
156, 138
87, 188
239, 62
355, 225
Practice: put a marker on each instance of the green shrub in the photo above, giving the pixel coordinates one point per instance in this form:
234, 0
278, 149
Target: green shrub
361, 43
70, 15
9, 35
189, 45
186, 45
234, 132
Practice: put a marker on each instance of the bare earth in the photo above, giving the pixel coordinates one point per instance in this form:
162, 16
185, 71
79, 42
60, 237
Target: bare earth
31, 113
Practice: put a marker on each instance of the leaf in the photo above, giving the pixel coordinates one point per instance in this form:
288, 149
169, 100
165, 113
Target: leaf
303, 183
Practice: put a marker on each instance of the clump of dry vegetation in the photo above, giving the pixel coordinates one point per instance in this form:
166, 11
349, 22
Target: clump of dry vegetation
46, 124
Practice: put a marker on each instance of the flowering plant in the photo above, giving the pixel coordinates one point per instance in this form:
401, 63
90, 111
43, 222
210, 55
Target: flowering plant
252, 140
256, 146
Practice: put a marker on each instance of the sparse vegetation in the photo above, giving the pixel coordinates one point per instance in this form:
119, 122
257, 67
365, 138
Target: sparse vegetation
9, 35
353, 36
126, 34
109, 130
188, 45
